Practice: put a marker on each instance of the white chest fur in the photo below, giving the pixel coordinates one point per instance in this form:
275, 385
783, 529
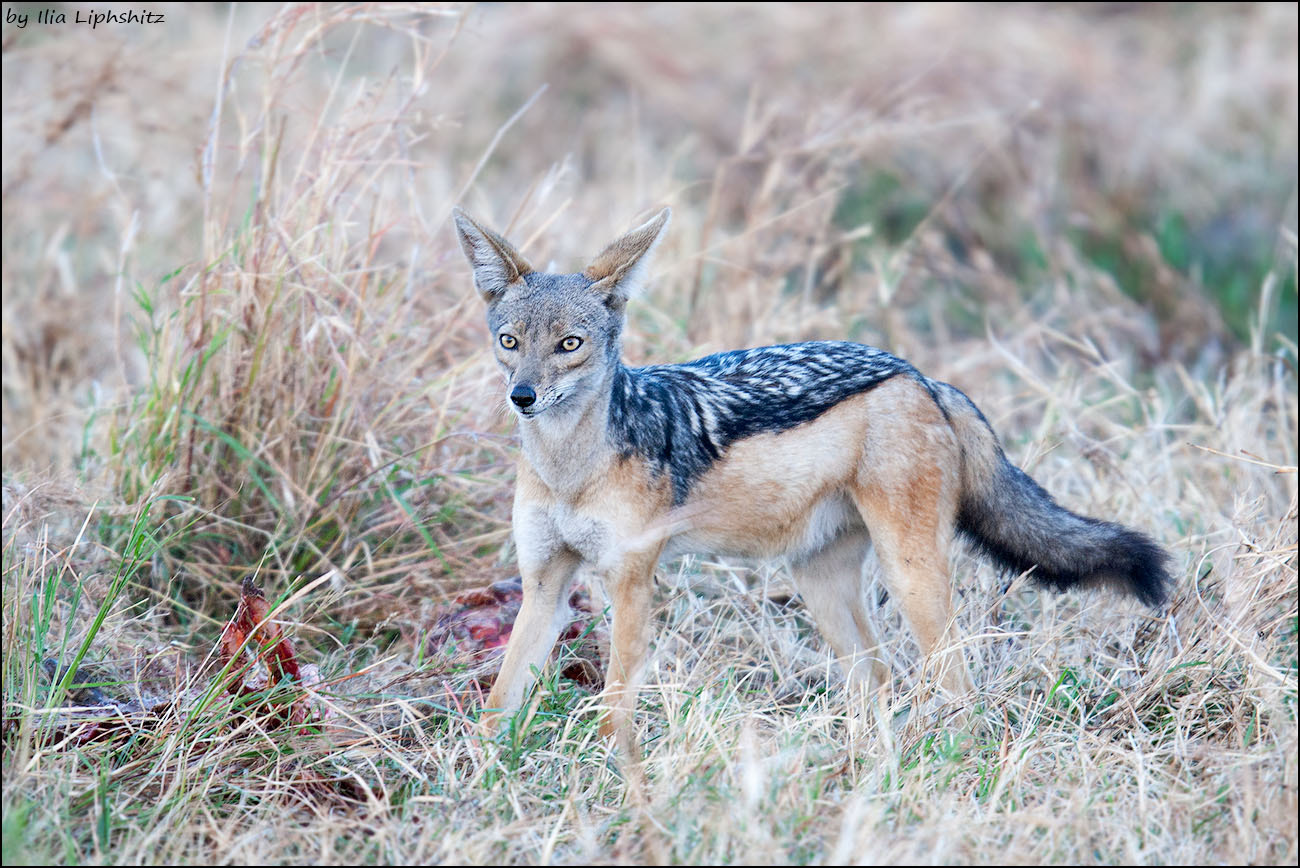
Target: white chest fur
541, 530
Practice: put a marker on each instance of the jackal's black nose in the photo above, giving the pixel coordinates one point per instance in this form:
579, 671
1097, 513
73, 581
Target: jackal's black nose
523, 396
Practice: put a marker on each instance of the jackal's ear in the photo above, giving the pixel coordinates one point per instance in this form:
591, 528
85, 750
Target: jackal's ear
495, 262
618, 268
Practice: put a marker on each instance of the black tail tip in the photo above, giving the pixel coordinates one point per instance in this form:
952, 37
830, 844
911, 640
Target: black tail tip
1128, 562
1148, 575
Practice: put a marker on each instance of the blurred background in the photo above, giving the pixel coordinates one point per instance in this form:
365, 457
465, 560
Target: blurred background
240, 340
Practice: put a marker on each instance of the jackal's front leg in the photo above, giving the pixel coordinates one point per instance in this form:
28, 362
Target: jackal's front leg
631, 590
541, 618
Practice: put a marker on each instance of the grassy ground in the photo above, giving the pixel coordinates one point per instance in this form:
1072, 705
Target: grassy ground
239, 339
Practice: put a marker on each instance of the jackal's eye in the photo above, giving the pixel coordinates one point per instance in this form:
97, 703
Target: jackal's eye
570, 344
509, 342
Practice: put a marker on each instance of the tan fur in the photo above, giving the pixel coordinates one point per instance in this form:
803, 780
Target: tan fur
760, 498
908, 499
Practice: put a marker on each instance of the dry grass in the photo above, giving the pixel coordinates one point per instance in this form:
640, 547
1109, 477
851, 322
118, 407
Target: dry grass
239, 339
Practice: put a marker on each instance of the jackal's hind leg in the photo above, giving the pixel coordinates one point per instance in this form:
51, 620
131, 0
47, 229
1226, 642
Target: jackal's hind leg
910, 522
830, 584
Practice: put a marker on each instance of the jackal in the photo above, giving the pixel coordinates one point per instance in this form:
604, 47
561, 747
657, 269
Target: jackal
809, 452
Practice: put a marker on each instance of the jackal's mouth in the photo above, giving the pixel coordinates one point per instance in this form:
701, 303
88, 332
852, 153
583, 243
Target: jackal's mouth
536, 409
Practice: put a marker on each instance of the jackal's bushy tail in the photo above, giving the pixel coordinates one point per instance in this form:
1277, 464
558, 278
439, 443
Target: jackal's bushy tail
1016, 523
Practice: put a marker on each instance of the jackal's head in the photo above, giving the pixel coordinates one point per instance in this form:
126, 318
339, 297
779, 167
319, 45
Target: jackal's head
556, 336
